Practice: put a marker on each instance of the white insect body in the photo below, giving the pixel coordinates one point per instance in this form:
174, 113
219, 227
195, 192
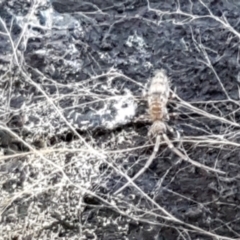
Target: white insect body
158, 95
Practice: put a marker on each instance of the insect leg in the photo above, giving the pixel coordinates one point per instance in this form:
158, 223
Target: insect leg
147, 164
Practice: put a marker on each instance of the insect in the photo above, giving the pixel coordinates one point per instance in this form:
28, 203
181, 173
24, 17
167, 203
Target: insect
158, 96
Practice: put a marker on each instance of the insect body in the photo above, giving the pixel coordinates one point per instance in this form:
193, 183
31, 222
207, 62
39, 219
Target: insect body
158, 95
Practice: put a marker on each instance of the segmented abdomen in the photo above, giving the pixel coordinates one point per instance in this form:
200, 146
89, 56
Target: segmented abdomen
158, 95
160, 86
155, 108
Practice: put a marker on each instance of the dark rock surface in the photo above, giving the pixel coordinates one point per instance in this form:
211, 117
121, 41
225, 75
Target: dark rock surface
72, 75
